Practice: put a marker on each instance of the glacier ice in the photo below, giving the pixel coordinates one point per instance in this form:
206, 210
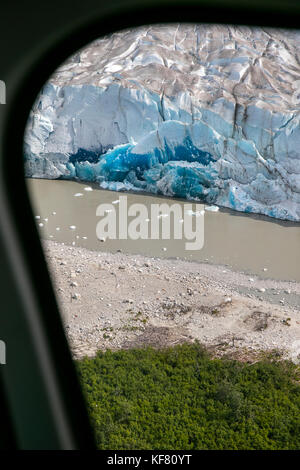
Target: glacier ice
204, 112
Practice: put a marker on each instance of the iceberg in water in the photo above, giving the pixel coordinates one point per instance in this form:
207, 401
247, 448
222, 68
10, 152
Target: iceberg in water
209, 113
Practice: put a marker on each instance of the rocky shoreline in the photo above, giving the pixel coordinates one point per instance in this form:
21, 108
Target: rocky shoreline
116, 301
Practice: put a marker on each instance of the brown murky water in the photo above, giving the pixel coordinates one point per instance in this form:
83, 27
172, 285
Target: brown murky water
249, 243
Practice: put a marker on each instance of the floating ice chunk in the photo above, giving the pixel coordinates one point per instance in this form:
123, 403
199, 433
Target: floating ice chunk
212, 208
196, 213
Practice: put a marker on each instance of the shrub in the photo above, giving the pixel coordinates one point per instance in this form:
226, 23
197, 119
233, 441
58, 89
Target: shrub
180, 398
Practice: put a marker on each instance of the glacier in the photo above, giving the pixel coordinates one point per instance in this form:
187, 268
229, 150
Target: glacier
204, 112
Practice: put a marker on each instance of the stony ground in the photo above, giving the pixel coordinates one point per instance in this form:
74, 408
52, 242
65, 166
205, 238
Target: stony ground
113, 301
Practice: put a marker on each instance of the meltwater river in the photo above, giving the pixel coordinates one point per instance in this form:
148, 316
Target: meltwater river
269, 248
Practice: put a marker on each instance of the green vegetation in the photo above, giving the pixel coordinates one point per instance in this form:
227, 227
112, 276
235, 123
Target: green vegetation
180, 398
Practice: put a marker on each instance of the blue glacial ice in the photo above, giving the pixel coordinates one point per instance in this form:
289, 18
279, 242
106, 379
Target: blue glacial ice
198, 112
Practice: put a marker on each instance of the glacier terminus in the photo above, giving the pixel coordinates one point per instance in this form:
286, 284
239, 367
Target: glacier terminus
204, 112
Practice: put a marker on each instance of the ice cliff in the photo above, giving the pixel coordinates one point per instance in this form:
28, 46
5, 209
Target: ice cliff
199, 112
